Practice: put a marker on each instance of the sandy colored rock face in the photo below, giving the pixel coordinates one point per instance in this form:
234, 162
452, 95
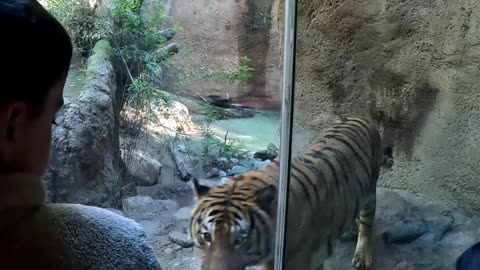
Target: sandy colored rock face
218, 33
413, 65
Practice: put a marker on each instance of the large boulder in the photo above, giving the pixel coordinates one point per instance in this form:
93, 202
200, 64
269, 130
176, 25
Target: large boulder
86, 166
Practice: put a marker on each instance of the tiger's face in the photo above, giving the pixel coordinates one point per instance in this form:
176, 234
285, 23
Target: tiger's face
230, 231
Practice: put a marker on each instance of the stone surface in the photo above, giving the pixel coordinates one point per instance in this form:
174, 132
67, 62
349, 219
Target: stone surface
183, 214
182, 239
214, 172
85, 165
433, 242
146, 208
235, 29
411, 64
144, 168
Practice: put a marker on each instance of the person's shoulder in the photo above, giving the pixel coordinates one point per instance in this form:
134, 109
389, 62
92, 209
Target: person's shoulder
91, 215
111, 236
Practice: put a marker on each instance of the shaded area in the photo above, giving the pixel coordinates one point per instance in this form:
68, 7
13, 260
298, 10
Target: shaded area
254, 41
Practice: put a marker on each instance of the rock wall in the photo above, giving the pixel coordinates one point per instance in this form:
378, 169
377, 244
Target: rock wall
414, 66
218, 33
86, 166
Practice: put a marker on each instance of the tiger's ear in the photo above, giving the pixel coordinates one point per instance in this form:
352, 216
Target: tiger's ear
265, 198
199, 190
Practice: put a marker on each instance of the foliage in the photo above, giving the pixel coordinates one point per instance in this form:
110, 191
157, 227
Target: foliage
79, 20
242, 72
138, 54
215, 152
272, 149
141, 61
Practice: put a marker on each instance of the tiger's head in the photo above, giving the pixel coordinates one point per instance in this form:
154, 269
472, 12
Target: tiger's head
232, 226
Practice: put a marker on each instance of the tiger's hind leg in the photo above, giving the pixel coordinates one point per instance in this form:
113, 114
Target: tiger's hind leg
362, 259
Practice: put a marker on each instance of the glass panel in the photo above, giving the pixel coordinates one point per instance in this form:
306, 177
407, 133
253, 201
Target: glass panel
173, 111
286, 130
384, 153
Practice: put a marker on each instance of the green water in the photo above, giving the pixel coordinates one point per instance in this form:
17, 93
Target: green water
256, 132
74, 83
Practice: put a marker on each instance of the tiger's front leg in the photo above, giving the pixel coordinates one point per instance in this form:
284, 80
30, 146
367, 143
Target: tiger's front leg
362, 259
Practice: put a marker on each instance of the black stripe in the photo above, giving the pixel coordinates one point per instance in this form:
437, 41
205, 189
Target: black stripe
309, 181
312, 167
218, 203
361, 122
325, 159
260, 232
366, 163
254, 178
239, 177
361, 160
355, 140
365, 136
214, 212
338, 153
305, 190
216, 196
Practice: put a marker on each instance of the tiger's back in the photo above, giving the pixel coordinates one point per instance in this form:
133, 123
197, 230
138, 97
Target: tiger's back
330, 185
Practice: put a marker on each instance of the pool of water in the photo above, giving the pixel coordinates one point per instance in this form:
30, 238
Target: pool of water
256, 132
74, 83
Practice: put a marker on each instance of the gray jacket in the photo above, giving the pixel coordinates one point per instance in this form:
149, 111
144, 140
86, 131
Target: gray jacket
35, 235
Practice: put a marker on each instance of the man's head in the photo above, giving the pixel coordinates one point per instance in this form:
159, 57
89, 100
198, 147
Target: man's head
35, 54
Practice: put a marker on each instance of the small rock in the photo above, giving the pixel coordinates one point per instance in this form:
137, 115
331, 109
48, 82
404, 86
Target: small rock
439, 226
183, 214
181, 148
224, 180
145, 169
234, 160
222, 174
404, 232
181, 239
146, 208
264, 155
168, 251
129, 190
212, 173
261, 164
238, 170
223, 160
391, 205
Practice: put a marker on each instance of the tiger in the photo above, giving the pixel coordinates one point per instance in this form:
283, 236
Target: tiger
332, 185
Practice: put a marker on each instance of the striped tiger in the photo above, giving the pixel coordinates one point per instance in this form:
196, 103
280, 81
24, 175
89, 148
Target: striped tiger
331, 185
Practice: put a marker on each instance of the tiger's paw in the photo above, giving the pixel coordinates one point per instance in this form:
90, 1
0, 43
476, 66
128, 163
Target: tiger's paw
362, 260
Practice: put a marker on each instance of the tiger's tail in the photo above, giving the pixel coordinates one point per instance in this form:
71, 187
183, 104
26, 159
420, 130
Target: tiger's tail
388, 156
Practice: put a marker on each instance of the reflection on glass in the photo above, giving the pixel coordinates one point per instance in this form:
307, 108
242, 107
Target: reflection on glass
167, 92
394, 65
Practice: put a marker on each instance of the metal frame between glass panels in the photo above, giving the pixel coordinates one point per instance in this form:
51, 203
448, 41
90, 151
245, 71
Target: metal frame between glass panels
286, 128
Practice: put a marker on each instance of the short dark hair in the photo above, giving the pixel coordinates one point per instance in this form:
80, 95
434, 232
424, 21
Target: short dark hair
35, 52
470, 259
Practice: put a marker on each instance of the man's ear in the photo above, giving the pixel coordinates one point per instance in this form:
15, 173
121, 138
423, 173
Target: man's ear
198, 189
11, 116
